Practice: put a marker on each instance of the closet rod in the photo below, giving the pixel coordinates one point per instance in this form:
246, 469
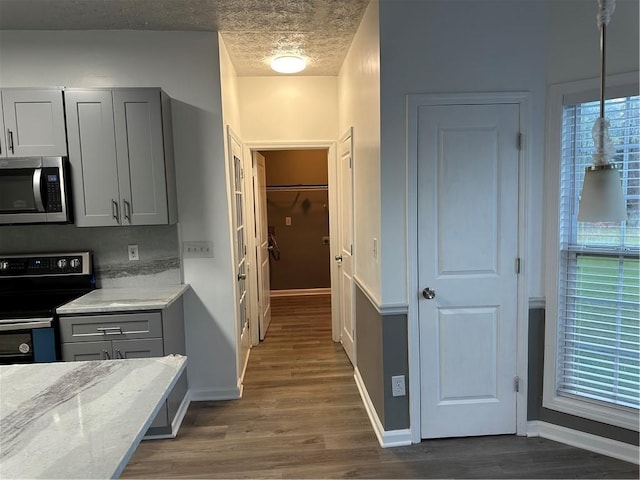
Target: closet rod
296, 188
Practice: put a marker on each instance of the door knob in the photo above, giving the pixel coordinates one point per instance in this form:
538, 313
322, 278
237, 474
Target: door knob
428, 294
338, 258
241, 276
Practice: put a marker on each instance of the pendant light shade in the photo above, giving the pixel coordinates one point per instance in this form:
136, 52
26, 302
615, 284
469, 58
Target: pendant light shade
602, 199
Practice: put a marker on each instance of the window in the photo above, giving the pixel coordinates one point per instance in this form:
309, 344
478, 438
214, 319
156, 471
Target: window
595, 367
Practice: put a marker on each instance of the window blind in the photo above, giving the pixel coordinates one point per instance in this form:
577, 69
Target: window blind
599, 315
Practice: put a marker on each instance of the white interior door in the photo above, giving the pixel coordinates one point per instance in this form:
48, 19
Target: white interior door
345, 257
467, 237
262, 243
240, 250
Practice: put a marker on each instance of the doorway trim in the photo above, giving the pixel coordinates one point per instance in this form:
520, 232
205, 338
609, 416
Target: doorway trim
331, 147
413, 102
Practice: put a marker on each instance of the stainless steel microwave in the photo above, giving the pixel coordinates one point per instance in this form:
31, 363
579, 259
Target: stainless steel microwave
34, 190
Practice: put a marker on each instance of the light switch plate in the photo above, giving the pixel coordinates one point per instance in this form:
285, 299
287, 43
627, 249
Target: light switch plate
197, 249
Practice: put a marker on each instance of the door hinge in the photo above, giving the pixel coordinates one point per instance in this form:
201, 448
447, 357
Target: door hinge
516, 384
520, 141
351, 250
518, 266
350, 161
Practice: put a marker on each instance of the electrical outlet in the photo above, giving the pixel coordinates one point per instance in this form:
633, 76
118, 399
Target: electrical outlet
397, 386
197, 249
287, 221
133, 252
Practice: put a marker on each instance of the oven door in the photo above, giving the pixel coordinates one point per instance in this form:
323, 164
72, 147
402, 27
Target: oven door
27, 341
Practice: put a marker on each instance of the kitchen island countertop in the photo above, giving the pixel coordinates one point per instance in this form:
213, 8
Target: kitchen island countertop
107, 300
79, 419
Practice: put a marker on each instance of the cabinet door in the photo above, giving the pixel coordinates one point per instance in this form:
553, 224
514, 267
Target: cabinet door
140, 153
92, 155
3, 138
140, 348
34, 123
77, 352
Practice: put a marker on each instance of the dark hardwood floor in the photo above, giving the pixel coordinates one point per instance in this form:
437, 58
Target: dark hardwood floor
302, 417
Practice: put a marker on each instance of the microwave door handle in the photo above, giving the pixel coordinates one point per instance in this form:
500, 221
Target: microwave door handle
37, 189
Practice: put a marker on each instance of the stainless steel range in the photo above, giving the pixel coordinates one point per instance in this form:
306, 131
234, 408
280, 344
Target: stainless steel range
32, 286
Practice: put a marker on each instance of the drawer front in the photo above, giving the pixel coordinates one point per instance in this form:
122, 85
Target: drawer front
111, 327
79, 352
142, 348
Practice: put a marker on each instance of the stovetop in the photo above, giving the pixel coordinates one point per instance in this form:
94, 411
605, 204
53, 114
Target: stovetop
34, 285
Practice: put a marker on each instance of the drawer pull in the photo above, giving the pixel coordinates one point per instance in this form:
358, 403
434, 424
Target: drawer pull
110, 330
119, 354
106, 355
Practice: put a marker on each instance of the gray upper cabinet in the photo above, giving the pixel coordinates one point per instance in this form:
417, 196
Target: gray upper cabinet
121, 156
32, 123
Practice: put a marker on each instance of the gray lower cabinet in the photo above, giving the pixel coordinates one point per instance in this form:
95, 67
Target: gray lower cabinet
130, 335
121, 156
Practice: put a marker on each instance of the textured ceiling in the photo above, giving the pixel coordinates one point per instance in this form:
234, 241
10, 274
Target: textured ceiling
254, 31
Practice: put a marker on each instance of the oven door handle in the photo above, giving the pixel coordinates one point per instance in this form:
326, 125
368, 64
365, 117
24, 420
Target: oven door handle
37, 189
9, 324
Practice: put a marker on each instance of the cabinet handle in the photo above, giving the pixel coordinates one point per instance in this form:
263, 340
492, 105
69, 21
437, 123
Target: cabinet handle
127, 210
114, 211
119, 354
106, 355
10, 133
110, 330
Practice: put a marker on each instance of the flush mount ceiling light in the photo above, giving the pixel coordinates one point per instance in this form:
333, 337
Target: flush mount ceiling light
288, 64
602, 199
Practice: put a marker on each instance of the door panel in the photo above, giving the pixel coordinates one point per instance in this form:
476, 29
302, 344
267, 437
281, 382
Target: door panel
345, 181
36, 121
92, 154
263, 244
467, 237
140, 153
240, 250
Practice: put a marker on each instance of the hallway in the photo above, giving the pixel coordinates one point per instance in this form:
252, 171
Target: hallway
301, 416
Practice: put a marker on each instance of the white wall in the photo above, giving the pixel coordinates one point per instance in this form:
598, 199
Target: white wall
359, 106
443, 46
574, 40
185, 65
288, 109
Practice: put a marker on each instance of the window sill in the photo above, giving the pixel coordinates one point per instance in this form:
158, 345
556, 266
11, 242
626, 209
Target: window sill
619, 417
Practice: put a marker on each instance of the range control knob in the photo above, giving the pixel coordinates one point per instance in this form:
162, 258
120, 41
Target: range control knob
4, 265
62, 263
75, 262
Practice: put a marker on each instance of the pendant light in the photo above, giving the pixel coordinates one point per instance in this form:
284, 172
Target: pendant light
602, 199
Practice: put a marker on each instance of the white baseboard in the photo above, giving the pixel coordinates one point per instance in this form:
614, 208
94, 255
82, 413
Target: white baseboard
214, 394
586, 441
177, 420
300, 292
386, 438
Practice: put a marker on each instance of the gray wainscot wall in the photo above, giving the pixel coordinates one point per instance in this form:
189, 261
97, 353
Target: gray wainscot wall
158, 248
382, 353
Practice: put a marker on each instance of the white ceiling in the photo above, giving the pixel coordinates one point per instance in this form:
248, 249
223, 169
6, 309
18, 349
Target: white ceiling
254, 31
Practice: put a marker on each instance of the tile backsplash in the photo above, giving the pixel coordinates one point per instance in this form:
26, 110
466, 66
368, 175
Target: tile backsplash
158, 248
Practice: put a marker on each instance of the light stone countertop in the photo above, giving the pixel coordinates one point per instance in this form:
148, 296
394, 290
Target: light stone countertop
79, 419
106, 300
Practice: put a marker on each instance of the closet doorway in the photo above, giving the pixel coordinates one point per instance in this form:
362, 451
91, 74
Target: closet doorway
295, 196
298, 221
